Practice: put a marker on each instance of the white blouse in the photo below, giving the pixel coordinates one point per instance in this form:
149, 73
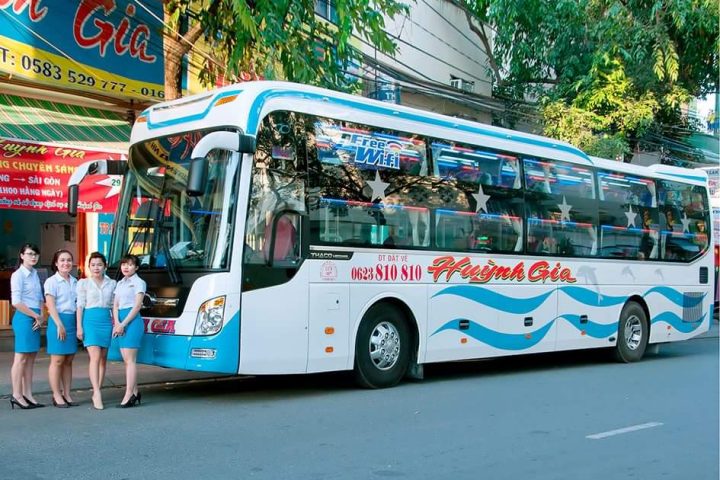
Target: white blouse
64, 292
25, 288
90, 295
127, 290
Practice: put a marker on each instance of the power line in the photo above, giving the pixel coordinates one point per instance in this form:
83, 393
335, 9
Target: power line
182, 37
446, 43
449, 22
427, 86
471, 75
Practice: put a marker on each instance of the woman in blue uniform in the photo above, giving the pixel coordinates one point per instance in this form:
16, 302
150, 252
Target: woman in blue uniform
129, 325
26, 298
94, 320
60, 298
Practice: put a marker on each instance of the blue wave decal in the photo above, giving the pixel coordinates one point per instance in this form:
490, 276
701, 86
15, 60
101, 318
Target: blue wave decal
487, 297
592, 329
676, 297
677, 323
591, 297
503, 341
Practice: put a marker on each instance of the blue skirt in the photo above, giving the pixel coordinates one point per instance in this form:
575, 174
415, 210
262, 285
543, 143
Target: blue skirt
69, 345
97, 327
133, 332
27, 340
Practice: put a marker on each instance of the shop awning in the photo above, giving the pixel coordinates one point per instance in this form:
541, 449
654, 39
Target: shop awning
44, 121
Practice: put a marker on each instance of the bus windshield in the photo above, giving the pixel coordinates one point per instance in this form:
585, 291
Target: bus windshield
163, 226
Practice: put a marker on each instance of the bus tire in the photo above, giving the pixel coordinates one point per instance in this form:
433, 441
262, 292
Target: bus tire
633, 333
382, 347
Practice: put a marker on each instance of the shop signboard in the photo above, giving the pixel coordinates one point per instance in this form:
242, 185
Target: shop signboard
34, 176
104, 232
112, 47
714, 191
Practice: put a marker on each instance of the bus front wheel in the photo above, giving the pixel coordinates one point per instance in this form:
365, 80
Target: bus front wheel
633, 333
382, 347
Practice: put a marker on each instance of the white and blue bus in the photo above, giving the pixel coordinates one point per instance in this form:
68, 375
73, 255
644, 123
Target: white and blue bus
289, 229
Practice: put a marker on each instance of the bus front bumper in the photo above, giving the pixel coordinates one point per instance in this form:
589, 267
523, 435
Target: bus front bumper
218, 353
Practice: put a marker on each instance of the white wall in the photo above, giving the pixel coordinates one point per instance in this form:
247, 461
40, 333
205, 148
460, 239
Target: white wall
646, 158
435, 45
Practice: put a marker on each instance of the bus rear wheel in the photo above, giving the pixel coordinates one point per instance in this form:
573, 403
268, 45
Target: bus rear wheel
633, 333
382, 347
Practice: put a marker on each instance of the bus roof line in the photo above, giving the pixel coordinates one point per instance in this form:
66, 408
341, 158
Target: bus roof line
188, 118
263, 97
685, 177
272, 93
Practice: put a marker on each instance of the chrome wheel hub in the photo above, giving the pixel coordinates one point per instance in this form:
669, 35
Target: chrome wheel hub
633, 332
384, 346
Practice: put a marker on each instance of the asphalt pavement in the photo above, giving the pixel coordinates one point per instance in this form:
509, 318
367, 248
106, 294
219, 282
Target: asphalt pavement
542, 417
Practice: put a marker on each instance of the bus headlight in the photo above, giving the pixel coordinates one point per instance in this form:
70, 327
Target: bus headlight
210, 316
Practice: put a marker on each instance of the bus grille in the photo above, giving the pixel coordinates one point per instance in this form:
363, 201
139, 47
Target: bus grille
692, 307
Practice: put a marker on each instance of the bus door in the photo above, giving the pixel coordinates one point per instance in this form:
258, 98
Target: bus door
275, 295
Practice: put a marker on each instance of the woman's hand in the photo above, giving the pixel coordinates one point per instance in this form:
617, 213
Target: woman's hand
37, 323
62, 334
119, 330
79, 334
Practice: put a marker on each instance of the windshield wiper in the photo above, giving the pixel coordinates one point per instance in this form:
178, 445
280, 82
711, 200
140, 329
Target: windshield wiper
143, 227
160, 240
169, 260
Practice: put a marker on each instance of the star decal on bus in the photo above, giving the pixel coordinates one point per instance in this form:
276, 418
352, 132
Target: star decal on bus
564, 210
114, 183
378, 187
631, 217
685, 223
481, 199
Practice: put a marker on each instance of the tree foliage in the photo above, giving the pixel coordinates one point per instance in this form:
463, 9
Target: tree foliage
628, 64
279, 39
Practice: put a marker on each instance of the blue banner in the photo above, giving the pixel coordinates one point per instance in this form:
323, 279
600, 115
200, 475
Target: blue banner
113, 47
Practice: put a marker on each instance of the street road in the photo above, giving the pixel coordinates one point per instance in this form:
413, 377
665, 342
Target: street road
559, 416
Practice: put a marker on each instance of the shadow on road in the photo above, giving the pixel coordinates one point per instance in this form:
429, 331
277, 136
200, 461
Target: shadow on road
270, 387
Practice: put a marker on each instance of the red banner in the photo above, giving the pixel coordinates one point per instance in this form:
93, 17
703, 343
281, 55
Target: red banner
34, 176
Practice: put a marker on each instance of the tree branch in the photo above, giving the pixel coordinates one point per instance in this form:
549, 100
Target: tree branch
480, 32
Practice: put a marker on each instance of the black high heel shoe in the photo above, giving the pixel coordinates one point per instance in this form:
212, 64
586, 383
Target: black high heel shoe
33, 404
130, 403
13, 402
139, 397
72, 404
60, 405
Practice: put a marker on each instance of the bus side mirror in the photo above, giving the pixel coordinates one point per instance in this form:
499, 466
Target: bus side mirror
73, 193
93, 167
247, 144
231, 141
196, 177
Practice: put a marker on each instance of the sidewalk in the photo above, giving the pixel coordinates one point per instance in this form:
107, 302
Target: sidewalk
115, 374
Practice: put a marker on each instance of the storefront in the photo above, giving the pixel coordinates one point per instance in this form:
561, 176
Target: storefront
72, 78
33, 206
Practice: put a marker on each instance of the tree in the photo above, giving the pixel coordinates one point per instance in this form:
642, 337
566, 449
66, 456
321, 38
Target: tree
605, 72
273, 39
